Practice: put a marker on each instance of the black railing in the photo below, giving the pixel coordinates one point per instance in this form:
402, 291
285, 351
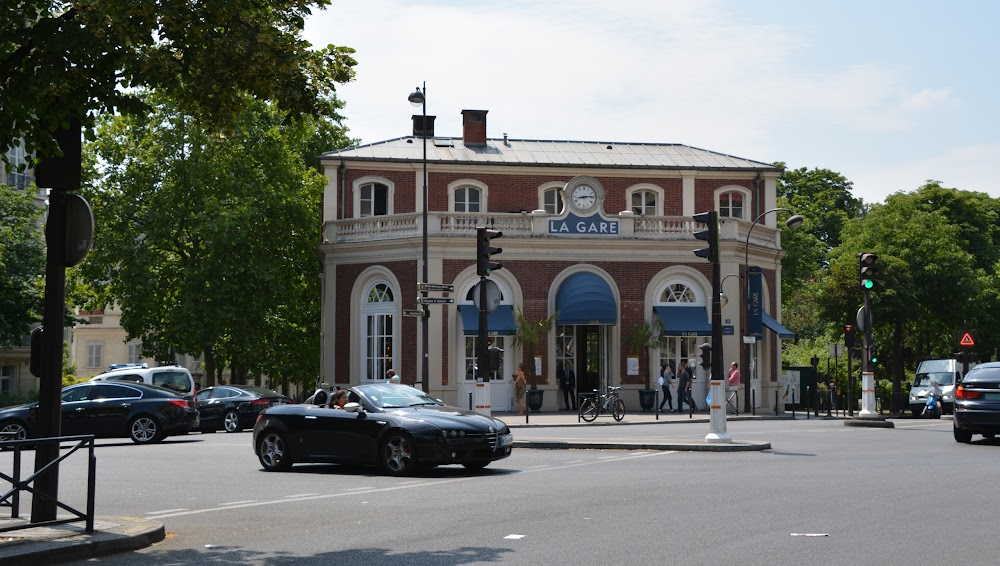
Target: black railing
12, 497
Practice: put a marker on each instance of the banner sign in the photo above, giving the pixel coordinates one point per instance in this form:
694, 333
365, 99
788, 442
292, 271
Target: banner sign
755, 303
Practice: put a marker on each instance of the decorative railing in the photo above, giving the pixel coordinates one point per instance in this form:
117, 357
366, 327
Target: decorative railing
522, 224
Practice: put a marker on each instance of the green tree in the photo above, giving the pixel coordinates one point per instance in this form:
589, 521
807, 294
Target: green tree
62, 60
528, 335
208, 242
22, 264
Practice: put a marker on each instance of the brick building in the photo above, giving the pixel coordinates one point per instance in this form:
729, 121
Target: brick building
598, 234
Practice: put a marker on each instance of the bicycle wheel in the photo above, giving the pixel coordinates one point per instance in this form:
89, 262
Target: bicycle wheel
588, 410
618, 409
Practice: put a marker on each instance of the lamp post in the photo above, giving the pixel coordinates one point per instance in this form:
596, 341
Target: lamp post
793, 222
419, 98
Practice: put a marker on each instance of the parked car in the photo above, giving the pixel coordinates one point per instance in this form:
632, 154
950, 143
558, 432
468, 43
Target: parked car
233, 408
144, 413
977, 403
396, 427
176, 378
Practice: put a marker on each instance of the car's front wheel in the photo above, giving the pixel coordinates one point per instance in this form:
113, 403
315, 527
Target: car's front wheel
273, 453
231, 422
961, 435
145, 430
13, 430
397, 454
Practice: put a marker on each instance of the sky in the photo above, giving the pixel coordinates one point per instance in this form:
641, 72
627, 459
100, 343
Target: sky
888, 93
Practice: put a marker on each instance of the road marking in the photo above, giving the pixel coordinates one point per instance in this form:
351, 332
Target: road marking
363, 488
239, 502
515, 537
408, 485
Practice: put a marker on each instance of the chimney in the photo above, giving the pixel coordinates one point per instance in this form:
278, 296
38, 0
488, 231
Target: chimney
474, 127
423, 130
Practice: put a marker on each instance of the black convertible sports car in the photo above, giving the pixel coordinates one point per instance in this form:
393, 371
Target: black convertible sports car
393, 426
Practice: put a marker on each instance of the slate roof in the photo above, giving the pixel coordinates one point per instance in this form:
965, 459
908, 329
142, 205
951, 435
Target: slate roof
548, 153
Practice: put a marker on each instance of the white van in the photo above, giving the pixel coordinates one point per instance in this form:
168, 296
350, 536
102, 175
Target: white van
176, 378
946, 373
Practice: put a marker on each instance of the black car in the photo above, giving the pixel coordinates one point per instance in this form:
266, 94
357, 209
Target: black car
233, 408
977, 403
396, 427
144, 413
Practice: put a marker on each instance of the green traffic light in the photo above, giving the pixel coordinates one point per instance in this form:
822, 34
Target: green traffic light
868, 283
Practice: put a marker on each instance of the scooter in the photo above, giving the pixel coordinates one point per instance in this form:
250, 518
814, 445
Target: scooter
932, 409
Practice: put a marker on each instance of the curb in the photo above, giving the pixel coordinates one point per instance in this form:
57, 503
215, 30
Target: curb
71, 543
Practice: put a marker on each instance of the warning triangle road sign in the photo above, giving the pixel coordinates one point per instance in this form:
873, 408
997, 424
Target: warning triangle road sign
966, 340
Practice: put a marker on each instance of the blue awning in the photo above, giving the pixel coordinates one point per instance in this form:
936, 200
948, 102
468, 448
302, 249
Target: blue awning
499, 322
585, 298
684, 321
776, 327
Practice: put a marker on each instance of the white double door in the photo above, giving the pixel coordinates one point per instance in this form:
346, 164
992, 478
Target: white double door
501, 383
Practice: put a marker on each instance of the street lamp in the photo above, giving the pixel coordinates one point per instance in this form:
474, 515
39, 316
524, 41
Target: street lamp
419, 98
793, 222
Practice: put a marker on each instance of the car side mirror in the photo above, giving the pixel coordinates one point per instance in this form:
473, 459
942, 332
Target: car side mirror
353, 408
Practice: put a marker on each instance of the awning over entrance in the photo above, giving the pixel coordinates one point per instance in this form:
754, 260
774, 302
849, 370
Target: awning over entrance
500, 321
585, 298
776, 327
684, 321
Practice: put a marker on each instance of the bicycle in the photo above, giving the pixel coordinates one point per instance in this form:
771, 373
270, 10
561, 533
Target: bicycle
592, 406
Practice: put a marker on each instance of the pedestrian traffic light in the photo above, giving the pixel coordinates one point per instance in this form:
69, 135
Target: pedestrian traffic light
711, 235
484, 263
705, 357
867, 270
849, 336
495, 358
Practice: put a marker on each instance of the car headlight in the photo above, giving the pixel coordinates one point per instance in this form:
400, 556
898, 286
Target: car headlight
453, 433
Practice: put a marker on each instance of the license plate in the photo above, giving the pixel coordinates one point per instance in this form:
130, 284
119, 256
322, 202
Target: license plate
506, 440
992, 396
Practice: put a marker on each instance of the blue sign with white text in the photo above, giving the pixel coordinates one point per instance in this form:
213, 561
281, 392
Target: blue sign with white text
594, 225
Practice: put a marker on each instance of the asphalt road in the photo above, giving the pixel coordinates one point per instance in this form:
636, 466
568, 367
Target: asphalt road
871, 496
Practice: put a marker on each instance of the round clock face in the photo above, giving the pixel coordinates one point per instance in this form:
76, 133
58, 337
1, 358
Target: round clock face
584, 197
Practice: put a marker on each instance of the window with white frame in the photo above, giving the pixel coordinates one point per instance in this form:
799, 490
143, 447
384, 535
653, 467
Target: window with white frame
732, 204
95, 355
553, 202
7, 376
643, 203
134, 352
679, 348
468, 199
379, 345
678, 293
17, 157
373, 199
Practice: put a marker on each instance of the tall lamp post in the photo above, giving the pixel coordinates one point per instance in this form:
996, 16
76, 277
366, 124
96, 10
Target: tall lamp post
419, 98
793, 222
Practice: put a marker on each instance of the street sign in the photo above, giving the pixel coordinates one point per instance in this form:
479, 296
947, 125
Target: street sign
492, 295
967, 341
836, 350
434, 300
407, 312
425, 287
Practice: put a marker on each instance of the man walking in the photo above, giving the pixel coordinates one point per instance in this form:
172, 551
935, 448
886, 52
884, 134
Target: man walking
567, 382
684, 388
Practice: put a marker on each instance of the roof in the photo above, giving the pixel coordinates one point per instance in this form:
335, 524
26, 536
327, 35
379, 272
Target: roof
548, 153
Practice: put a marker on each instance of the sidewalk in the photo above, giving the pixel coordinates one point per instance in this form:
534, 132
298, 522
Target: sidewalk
64, 543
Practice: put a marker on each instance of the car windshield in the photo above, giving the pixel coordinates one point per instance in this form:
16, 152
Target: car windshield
942, 379
392, 396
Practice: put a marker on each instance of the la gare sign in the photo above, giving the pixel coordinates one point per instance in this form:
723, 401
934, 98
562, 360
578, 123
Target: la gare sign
594, 225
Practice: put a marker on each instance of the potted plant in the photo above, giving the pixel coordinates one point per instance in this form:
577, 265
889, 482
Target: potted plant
645, 335
527, 335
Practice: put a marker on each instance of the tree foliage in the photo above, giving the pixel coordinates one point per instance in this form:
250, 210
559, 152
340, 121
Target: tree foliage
208, 242
61, 60
22, 264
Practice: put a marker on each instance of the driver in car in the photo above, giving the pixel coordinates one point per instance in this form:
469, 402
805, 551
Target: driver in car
339, 399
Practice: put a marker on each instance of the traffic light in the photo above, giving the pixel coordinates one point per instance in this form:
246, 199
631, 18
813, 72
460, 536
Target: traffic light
495, 354
484, 264
705, 357
711, 235
873, 354
849, 338
867, 270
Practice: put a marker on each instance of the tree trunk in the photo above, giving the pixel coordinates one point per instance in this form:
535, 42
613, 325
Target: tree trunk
897, 364
209, 367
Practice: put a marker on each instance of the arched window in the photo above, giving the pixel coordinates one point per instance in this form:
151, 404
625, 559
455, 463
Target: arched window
373, 199
732, 204
377, 319
643, 203
552, 201
678, 293
468, 199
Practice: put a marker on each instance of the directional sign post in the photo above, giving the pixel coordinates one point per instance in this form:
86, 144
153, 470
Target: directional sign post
438, 287
407, 312
434, 300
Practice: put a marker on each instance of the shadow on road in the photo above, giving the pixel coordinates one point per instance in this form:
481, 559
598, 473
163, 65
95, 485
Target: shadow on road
326, 553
